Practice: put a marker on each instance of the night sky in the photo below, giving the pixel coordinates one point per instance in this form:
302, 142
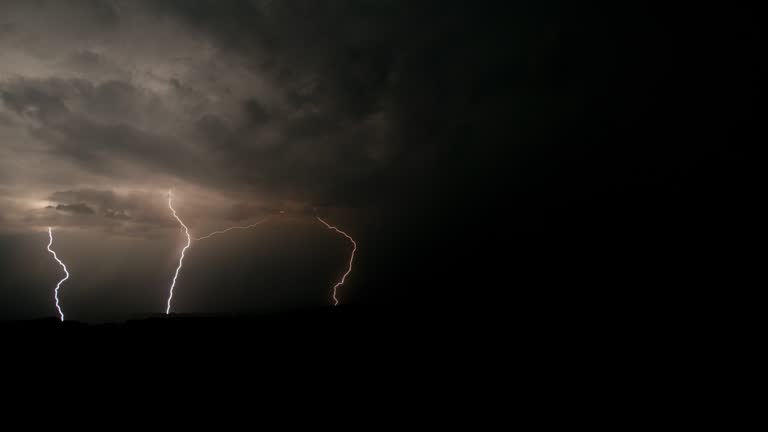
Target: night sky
521, 155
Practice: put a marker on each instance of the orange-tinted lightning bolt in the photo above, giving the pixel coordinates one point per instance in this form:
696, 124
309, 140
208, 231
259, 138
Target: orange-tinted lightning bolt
351, 258
232, 229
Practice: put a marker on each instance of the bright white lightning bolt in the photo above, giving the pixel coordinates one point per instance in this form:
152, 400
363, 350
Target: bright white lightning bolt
351, 258
56, 291
183, 251
231, 229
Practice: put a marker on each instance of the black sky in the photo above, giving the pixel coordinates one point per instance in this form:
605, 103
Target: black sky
482, 153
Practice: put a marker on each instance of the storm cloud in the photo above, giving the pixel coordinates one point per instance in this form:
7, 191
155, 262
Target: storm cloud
245, 109
434, 132
138, 94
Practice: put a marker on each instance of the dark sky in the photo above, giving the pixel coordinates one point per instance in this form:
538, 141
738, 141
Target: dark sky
479, 152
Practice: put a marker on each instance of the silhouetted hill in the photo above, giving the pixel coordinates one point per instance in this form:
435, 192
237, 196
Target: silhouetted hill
358, 323
371, 347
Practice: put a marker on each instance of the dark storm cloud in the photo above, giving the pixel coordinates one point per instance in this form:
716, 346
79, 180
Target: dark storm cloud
116, 142
381, 105
56, 102
336, 66
328, 133
244, 106
34, 102
87, 62
117, 214
79, 17
216, 131
135, 214
338, 54
242, 211
5, 120
102, 198
256, 113
101, 132
79, 208
141, 208
378, 92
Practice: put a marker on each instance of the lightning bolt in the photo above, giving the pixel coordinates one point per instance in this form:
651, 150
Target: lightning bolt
231, 229
58, 285
351, 258
183, 251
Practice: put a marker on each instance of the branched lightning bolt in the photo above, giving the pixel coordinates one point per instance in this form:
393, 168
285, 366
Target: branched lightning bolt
231, 229
56, 291
183, 251
351, 258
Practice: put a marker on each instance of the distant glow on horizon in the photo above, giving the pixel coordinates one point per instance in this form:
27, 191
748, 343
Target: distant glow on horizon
232, 228
351, 258
183, 251
56, 291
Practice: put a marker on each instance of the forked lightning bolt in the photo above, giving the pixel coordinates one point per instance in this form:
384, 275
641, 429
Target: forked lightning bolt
58, 285
351, 258
231, 229
183, 251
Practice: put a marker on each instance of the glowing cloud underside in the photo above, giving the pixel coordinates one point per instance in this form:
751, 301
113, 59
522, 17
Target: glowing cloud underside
232, 229
58, 285
351, 258
183, 251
